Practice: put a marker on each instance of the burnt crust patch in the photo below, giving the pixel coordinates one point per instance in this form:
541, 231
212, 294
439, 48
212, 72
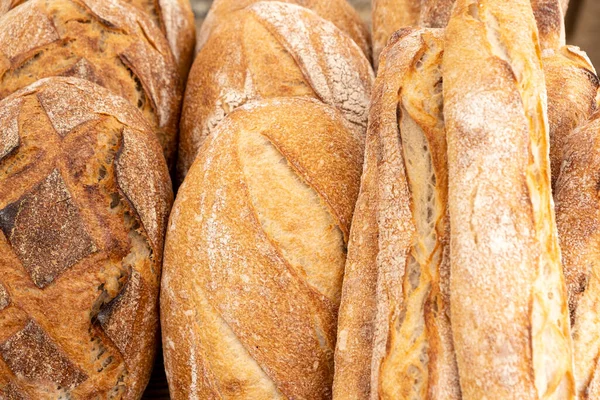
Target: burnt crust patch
46, 231
32, 353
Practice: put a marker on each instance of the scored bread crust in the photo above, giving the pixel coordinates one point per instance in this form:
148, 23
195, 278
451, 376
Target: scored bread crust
509, 310
578, 220
279, 50
84, 200
402, 273
240, 317
339, 12
174, 18
109, 42
572, 86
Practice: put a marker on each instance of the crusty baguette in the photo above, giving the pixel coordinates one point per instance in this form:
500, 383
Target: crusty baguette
279, 50
255, 254
84, 200
572, 86
107, 42
174, 17
550, 19
339, 12
509, 310
405, 182
578, 220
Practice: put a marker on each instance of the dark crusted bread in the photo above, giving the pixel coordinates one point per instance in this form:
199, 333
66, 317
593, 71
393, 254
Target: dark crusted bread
175, 19
255, 254
273, 49
107, 42
84, 199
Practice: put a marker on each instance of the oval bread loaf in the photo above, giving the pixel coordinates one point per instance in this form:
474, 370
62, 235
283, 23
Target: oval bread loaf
275, 50
84, 200
255, 254
175, 19
339, 12
107, 42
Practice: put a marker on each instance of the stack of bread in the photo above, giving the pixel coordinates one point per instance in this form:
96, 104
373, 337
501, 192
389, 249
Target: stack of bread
431, 233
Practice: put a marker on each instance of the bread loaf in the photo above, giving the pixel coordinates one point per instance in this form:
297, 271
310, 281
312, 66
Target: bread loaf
339, 12
412, 353
255, 254
550, 19
107, 42
572, 97
577, 215
274, 49
174, 18
509, 311
84, 200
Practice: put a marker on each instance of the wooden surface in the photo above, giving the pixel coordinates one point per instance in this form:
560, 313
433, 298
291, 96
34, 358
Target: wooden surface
583, 31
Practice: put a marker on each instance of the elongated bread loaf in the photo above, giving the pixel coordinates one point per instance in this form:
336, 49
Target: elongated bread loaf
174, 18
107, 42
411, 348
578, 220
84, 200
255, 254
279, 50
572, 97
509, 310
339, 12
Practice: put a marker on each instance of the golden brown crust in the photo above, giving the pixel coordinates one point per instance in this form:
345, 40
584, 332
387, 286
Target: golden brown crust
339, 12
509, 309
572, 86
279, 50
550, 19
108, 42
578, 220
81, 251
225, 269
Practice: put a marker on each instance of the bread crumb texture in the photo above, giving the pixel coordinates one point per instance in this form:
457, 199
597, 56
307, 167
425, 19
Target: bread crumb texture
80, 246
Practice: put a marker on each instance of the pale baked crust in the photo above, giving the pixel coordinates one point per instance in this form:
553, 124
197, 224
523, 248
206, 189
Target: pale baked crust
509, 310
275, 49
84, 200
240, 319
107, 42
339, 12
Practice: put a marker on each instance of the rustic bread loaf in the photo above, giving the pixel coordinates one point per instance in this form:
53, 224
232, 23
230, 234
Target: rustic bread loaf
509, 311
578, 220
572, 86
339, 12
410, 345
274, 49
84, 200
174, 17
107, 42
255, 254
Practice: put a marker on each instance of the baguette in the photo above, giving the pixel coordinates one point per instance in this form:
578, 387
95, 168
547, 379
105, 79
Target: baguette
255, 254
339, 12
577, 215
174, 18
84, 200
279, 50
411, 350
509, 310
107, 42
572, 97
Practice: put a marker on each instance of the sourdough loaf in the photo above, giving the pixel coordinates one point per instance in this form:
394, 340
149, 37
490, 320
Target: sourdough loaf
572, 86
409, 353
273, 49
107, 42
175, 19
84, 200
578, 220
339, 12
255, 254
509, 311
